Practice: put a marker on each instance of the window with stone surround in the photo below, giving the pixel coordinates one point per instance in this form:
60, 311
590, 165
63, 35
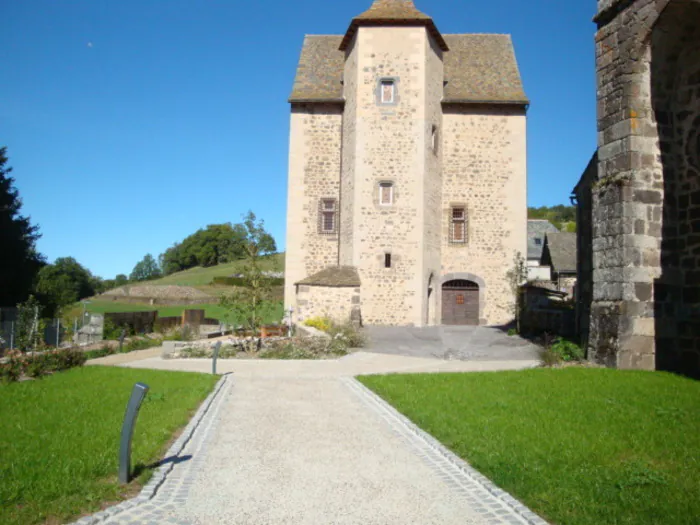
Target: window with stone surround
458, 225
328, 216
386, 193
387, 91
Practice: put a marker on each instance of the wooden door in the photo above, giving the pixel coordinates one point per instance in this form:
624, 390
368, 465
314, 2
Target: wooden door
460, 303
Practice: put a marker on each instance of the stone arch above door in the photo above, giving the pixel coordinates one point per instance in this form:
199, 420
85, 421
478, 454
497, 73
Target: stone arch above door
466, 276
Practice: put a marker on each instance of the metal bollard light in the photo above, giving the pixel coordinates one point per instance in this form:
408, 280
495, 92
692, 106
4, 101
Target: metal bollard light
132, 411
215, 356
121, 340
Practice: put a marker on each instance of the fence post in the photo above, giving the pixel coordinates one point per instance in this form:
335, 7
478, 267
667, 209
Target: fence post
58, 333
12, 335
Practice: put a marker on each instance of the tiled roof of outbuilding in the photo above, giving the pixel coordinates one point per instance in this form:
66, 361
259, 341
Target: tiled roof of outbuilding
339, 276
478, 69
562, 251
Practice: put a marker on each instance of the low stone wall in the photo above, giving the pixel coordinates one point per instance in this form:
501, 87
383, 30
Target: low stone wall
341, 304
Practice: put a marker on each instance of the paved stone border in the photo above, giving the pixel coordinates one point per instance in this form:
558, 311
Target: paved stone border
150, 490
487, 499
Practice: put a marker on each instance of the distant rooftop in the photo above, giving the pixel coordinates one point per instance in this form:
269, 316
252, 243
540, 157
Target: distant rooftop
536, 230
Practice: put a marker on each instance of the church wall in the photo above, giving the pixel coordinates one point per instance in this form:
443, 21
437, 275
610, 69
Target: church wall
484, 170
314, 173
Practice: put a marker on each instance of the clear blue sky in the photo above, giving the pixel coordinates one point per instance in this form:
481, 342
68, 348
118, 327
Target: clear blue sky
132, 123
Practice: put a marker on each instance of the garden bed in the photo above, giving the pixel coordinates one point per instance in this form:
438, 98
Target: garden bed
579, 446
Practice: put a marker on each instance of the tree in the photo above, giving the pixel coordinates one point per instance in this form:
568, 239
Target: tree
19, 262
516, 277
215, 244
121, 280
249, 305
145, 270
63, 283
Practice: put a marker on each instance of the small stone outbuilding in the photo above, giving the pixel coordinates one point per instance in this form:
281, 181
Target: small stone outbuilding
333, 293
559, 253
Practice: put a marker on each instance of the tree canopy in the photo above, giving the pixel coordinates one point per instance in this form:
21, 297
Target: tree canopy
215, 244
19, 262
146, 269
63, 283
563, 217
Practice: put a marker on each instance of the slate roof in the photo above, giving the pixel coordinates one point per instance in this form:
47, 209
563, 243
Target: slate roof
337, 276
536, 229
397, 12
562, 251
479, 68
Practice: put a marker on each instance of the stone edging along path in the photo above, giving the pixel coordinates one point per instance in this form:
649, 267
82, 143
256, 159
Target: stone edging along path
149, 491
462, 476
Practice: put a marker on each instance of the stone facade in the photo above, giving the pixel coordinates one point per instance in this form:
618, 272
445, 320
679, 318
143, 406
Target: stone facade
645, 199
468, 150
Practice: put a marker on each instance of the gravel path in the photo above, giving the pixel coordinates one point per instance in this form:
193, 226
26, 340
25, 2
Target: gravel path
303, 442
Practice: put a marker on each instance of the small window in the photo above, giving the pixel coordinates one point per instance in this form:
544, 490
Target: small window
538, 242
387, 260
388, 92
434, 140
328, 216
386, 193
458, 225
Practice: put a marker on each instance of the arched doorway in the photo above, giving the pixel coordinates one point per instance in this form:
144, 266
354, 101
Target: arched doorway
460, 303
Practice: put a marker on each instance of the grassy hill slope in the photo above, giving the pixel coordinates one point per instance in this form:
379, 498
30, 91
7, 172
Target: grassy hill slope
203, 276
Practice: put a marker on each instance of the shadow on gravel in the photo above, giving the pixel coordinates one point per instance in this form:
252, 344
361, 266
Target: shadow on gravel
141, 468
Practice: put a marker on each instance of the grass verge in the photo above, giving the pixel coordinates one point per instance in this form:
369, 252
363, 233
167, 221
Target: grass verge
578, 446
59, 437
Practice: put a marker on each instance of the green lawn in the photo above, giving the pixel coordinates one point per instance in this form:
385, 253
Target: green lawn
578, 446
59, 437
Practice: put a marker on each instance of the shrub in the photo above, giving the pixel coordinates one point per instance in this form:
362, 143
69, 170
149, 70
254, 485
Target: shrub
36, 365
512, 332
13, 368
567, 350
320, 323
103, 351
111, 331
559, 350
349, 334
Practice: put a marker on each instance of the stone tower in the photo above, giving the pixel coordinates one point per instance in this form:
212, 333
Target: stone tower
407, 173
391, 143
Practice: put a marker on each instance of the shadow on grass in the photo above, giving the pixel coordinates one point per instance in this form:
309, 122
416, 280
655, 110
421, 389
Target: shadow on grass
141, 468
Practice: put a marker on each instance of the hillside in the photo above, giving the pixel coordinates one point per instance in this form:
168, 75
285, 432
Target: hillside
202, 277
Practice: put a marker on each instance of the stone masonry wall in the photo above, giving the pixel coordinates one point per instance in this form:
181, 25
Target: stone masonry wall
314, 173
629, 197
432, 184
390, 148
349, 154
337, 303
484, 169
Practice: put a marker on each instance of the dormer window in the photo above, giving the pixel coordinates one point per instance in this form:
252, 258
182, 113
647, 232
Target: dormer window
387, 91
